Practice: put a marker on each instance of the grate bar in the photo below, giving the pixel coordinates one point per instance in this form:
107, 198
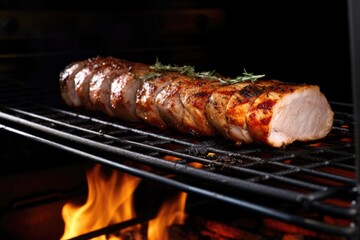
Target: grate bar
309, 169
353, 7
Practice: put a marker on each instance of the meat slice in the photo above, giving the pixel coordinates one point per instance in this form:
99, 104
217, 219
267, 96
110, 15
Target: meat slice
83, 77
67, 84
237, 109
169, 104
123, 92
216, 109
285, 113
194, 99
146, 109
100, 85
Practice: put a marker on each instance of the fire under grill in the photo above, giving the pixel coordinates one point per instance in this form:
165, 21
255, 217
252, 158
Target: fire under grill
316, 180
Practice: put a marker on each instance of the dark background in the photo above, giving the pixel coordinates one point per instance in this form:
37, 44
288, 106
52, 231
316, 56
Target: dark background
296, 41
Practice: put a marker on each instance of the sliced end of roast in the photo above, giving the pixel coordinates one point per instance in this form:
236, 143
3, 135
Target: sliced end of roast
300, 114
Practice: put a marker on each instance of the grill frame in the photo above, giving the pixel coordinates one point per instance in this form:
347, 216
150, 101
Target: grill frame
354, 39
95, 137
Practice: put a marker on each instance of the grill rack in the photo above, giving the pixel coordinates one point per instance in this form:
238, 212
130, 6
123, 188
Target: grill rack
314, 176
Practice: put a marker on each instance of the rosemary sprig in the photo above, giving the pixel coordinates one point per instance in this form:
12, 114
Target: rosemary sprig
150, 75
245, 77
187, 70
209, 75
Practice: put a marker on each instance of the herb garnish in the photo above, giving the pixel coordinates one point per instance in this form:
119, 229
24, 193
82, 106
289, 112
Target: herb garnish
245, 77
209, 75
150, 75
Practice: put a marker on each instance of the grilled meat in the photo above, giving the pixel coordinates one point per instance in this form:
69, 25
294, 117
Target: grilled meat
269, 112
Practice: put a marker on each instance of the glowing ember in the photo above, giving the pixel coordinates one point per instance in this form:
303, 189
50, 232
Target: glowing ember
196, 164
295, 232
218, 230
347, 140
174, 159
319, 144
109, 201
171, 158
172, 212
211, 154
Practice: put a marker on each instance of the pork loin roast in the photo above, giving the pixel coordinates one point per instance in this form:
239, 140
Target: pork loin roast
268, 112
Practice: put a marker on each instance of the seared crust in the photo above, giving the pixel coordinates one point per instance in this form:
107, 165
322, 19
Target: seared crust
146, 109
237, 109
194, 99
169, 104
67, 84
100, 85
218, 106
123, 92
83, 77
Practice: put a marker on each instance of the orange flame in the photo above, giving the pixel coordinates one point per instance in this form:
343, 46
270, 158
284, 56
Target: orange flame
109, 201
172, 212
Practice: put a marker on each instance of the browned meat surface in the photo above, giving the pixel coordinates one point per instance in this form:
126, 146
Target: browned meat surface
146, 109
123, 92
237, 108
169, 104
227, 108
67, 84
268, 112
194, 99
216, 108
100, 85
82, 78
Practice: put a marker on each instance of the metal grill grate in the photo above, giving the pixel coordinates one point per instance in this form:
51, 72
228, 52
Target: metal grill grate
317, 177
